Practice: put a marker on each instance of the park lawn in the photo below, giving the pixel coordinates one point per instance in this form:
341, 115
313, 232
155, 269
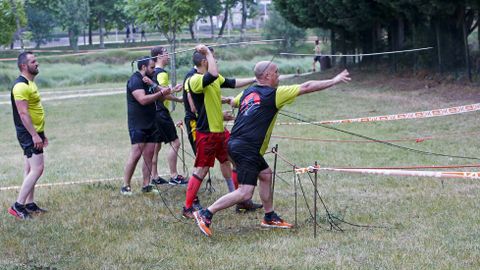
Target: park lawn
425, 222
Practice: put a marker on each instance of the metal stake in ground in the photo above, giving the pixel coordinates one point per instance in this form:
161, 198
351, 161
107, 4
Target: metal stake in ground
315, 203
183, 153
274, 170
295, 192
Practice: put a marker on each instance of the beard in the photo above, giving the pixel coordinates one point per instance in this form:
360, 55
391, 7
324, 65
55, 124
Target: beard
33, 70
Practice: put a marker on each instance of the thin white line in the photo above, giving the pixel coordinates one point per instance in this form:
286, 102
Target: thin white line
60, 92
361, 54
64, 183
77, 96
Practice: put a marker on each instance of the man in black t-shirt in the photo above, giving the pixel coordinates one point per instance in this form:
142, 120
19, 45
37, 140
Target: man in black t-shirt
142, 92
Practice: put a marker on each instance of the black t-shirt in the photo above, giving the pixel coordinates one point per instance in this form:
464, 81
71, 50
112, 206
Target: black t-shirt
139, 116
188, 110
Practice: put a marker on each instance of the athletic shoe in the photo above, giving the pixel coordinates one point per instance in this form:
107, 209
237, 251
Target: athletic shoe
187, 212
126, 190
178, 180
203, 222
32, 208
19, 212
275, 222
149, 189
159, 181
247, 206
196, 204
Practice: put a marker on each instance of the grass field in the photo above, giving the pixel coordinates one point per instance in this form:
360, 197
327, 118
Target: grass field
427, 224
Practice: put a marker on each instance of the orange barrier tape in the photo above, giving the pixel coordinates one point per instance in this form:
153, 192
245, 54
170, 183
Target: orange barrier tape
401, 116
467, 175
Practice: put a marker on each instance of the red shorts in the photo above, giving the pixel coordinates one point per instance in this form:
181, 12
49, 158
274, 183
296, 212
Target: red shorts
211, 146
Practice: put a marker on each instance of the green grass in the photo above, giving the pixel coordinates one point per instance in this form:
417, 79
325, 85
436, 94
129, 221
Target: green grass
115, 66
427, 224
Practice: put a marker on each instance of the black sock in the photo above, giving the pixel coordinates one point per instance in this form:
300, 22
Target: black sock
19, 206
208, 214
269, 215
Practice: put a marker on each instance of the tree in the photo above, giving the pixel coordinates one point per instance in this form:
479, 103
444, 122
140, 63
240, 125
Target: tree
227, 5
7, 21
41, 21
168, 16
360, 24
73, 16
278, 27
105, 15
209, 9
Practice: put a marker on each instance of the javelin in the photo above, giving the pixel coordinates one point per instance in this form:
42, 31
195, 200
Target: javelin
360, 54
218, 45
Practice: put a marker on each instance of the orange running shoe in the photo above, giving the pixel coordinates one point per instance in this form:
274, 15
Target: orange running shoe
275, 222
203, 222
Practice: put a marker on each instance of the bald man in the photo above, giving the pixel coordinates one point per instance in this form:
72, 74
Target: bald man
258, 108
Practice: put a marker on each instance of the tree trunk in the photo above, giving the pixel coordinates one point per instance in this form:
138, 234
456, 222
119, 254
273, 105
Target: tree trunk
73, 39
244, 20
333, 46
224, 21
90, 25
211, 26
173, 60
101, 23
17, 21
190, 28
465, 43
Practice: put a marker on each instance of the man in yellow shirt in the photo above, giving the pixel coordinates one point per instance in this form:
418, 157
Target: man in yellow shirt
166, 131
211, 136
29, 120
258, 108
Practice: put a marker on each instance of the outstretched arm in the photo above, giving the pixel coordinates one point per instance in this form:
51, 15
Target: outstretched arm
314, 86
243, 82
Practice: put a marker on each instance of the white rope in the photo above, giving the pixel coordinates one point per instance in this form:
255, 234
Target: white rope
360, 54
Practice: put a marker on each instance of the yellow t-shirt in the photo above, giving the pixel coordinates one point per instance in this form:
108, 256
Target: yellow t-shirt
29, 93
162, 79
212, 119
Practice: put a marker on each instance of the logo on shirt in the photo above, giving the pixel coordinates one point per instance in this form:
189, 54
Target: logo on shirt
249, 101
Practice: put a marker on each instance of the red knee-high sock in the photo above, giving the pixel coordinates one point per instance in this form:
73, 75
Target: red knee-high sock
194, 184
235, 178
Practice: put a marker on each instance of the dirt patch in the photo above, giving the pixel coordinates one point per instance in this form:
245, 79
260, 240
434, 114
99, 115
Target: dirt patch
443, 86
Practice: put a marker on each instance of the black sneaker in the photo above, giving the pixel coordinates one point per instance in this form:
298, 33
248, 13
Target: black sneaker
32, 208
19, 212
247, 206
159, 181
187, 212
126, 190
149, 189
196, 204
178, 180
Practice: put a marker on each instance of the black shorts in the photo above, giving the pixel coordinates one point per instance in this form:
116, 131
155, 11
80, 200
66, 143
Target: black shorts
142, 135
191, 125
166, 131
26, 142
316, 58
248, 162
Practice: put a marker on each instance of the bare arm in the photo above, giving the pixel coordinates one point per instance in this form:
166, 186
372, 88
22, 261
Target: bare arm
212, 65
190, 102
174, 98
144, 99
243, 82
314, 86
22, 108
